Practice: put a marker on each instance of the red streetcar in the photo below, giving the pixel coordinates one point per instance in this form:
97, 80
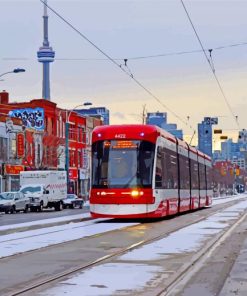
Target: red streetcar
142, 171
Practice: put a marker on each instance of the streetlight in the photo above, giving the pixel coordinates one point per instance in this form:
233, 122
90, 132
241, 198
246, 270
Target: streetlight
17, 70
67, 138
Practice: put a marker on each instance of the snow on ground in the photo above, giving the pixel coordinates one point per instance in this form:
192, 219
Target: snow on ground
110, 277
35, 239
224, 199
113, 278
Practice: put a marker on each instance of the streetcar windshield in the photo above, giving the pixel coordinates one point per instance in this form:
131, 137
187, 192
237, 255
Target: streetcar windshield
122, 164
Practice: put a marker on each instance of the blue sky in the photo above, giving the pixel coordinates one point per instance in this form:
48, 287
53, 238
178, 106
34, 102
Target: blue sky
126, 29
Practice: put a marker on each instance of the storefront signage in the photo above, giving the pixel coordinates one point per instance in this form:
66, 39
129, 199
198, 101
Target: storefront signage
13, 169
20, 145
32, 117
73, 174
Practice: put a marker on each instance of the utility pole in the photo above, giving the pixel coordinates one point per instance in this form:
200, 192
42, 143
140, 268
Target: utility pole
67, 152
143, 114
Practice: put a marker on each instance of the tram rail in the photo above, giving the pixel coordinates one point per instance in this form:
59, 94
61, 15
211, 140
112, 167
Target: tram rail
173, 281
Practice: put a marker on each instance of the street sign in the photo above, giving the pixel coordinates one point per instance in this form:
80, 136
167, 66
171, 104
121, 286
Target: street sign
223, 137
20, 143
211, 120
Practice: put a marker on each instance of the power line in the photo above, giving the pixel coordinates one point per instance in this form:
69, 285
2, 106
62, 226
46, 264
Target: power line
210, 64
119, 66
186, 52
137, 57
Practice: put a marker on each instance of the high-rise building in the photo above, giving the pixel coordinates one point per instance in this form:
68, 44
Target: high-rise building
236, 152
46, 56
242, 136
160, 119
100, 112
205, 135
157, 118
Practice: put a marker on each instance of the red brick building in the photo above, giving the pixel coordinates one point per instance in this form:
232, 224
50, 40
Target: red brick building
44, 129
11, 152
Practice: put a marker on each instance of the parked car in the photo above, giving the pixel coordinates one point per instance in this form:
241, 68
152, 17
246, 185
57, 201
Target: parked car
11, 202
72, 201
240, 188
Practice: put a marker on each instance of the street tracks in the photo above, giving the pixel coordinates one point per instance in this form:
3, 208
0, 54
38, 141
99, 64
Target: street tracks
170, 285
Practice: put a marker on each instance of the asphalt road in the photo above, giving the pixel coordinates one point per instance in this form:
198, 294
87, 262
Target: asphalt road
9, 219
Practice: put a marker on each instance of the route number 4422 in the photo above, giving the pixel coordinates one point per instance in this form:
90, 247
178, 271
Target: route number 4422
120, 136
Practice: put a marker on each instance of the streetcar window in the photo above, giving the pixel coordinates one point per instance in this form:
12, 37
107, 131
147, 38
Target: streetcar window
172, 169
202, 176
184, 172
166, 175
122, 164
209, 177
159, 170
194, 174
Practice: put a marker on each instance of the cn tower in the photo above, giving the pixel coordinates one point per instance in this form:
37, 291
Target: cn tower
46, 56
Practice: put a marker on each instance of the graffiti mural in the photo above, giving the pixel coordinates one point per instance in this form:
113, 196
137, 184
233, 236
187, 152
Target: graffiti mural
31, 117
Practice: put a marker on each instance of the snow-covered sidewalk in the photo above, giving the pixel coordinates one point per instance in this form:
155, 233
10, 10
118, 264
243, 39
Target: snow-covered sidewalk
45, 221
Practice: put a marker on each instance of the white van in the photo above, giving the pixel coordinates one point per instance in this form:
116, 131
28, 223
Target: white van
46, 189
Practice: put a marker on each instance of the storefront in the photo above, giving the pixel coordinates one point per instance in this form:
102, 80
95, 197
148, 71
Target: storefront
12, 177
73, 181
84, 183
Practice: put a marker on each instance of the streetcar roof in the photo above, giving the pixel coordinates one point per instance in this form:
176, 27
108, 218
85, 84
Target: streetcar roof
140, 132
130, 131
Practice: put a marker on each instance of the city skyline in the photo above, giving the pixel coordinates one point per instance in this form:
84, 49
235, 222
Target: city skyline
124, 30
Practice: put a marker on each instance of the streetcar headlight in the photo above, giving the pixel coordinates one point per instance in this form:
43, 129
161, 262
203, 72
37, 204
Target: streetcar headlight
136, 193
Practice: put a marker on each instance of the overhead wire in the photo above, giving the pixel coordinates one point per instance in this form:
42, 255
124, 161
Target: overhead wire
137, 57
119, 66
210, 65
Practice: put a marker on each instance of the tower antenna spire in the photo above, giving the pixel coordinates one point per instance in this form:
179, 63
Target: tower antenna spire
45, 8
46, 56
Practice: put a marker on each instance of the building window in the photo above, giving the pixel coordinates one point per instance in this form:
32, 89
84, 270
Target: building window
57, 133
13, 151
3, 149
79, 159
38, 154
63, 129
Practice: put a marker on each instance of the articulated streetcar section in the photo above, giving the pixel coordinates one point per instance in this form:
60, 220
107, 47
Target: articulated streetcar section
134, 240
142, 171
169, 256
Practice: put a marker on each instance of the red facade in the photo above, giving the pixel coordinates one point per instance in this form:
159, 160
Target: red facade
45, 137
